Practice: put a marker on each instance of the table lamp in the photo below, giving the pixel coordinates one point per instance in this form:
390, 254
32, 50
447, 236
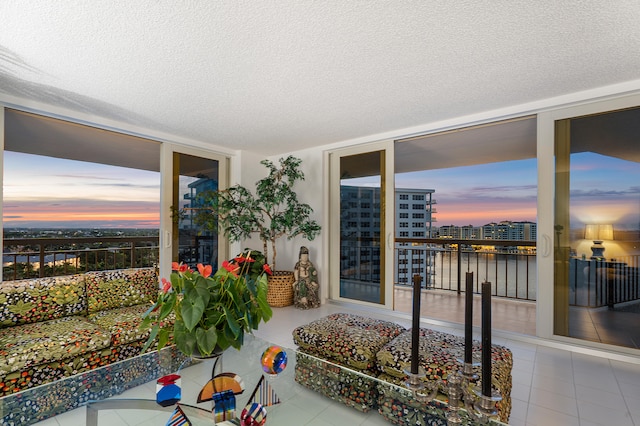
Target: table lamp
598, 233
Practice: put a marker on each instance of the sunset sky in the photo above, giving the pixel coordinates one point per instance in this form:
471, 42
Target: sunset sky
49, 193
53, 193
476, 195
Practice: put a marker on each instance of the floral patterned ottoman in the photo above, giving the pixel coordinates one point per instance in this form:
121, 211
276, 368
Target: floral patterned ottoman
399, 407
439, 354
347, 340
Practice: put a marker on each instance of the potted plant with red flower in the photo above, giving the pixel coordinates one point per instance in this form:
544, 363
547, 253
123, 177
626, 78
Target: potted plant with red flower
204, 313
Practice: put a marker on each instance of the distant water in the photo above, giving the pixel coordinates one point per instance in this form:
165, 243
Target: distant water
518, 271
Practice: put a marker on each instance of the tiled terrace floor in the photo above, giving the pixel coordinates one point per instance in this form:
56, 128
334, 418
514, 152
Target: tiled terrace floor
508, 315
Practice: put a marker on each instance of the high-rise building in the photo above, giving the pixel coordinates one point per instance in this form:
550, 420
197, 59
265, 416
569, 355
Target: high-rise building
360, 233
507, 230
414, 219
360, 228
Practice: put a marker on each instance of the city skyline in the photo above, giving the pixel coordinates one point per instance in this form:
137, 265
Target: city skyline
105, 196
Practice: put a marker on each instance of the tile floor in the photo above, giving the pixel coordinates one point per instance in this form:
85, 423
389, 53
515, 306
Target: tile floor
551, 386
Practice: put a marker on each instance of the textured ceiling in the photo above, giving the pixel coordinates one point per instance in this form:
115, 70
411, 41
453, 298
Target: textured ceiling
278, 76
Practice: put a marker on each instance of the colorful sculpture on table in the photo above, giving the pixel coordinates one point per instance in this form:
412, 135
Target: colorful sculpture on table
264, 394
254, 414
224, 407
273, 360
178, 418
221, 389
168, 390
221, 383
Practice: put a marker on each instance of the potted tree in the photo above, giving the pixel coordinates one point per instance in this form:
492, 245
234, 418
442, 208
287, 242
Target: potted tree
273, 212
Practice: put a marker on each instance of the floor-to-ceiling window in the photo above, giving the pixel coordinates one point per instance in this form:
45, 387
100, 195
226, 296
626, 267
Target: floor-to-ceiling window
73, 181
76, 198
466, 203
597, 228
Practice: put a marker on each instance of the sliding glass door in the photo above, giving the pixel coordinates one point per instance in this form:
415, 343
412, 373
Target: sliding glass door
589, 209
362, 224
597, 235
188, 173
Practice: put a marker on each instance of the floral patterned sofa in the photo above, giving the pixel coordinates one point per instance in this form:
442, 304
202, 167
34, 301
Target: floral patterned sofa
55, 327
372, 348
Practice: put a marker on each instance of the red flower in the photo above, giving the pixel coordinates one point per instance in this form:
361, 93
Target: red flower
240, 259
166, 285
230, 267
267, 269
205, 271
180, 267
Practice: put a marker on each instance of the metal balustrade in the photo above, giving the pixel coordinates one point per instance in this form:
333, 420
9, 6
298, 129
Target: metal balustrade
509, 265
41, 257
596, 283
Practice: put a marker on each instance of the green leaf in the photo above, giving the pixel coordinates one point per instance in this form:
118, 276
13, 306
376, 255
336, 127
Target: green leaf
191, 311
152, 337
223, 342
232, 291
232, 323
185, 340
167, 306
176, 282
202, 289
145, 323
163, 338
207, 339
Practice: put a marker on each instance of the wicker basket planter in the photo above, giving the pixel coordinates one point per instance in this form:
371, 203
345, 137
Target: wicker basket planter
280, 292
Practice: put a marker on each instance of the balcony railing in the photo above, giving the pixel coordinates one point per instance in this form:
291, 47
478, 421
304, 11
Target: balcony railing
510, 265
41, 257
442, 263
597, 282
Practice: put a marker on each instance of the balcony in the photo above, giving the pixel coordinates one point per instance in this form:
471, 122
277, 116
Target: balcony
42, 257
598, 290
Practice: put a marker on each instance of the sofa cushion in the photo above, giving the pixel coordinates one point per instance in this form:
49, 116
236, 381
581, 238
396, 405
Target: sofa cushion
121, 288
41, 299
28, 345
122, 323
351, 340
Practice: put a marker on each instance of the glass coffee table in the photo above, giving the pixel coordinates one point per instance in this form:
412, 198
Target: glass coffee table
298, 404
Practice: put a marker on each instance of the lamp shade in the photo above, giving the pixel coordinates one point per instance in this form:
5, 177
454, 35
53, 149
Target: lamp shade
605, 232
598, 232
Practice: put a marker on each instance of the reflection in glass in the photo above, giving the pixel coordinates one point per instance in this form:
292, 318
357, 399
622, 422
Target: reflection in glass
192, 245
597, 225
361, 219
